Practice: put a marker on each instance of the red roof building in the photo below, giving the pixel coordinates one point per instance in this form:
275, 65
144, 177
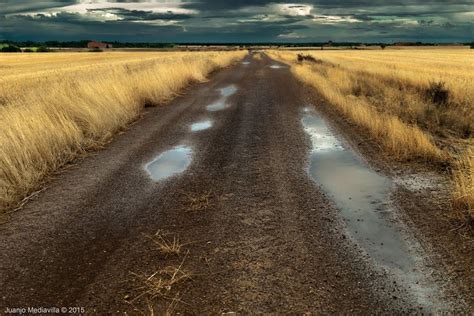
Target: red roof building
98, 45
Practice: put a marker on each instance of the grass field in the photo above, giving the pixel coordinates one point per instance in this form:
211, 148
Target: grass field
53, 107
417, 103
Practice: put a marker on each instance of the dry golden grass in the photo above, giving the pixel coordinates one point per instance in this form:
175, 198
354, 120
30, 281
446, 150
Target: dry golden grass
417, 103
55, 106
463, 195
198, 201
399, 82
162, 283
337, 85
166, 245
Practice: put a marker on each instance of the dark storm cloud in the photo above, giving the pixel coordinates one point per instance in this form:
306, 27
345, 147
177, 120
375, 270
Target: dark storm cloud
138, 15
66, 26
19, 6
220, 5
239, 20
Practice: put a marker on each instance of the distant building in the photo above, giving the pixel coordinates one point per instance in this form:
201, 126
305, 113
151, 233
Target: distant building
98, 45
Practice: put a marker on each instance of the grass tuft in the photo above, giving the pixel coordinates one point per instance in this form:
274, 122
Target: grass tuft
438, 93
165, 245
198, 201
162, 283
302, 57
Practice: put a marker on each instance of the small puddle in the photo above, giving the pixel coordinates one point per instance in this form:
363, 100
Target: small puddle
217, 106
228, 91
361, 195
199, 126
221, 103
169, 163
276, 66
245, 63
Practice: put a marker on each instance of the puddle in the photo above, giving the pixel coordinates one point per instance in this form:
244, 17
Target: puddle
169, 163
245, 63
361, 196
276, 66
221, 103
217, 106
199, 126
321, 138
228, 91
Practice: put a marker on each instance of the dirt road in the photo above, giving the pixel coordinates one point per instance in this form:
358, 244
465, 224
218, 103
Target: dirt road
259, 234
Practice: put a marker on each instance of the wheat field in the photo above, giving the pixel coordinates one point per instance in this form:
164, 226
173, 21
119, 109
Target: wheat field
54, 107
418, 104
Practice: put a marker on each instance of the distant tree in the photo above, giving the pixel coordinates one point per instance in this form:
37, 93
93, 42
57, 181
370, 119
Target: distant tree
54, 44
28, 50
383, 46
11, 49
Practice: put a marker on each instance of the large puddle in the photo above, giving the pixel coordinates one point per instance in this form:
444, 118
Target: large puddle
199, 126
169, 163
362, 197
221, 103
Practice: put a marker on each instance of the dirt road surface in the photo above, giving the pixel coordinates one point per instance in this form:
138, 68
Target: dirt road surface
258, 233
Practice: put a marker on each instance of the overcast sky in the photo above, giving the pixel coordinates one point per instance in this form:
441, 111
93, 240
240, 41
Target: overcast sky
239, 21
